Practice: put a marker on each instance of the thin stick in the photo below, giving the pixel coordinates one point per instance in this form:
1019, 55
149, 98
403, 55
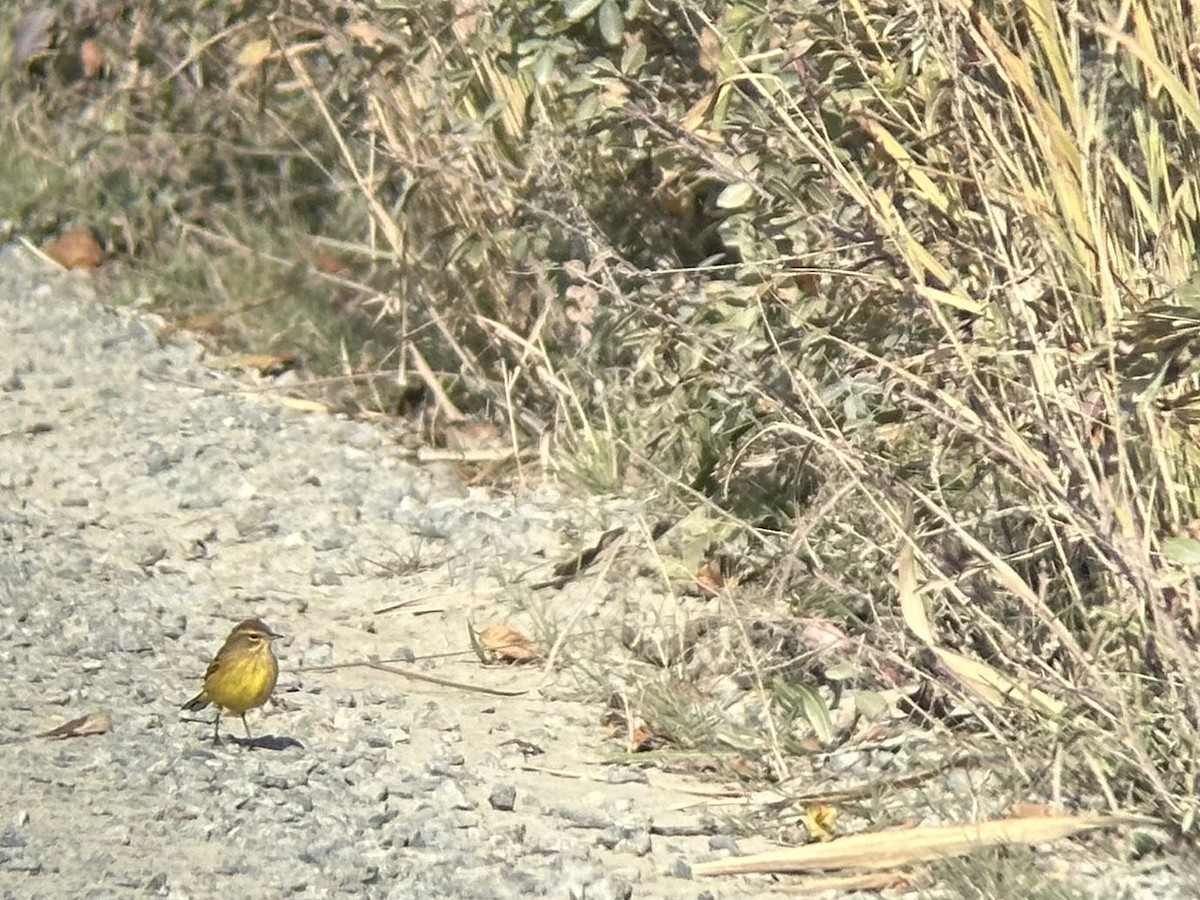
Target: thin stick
416, 676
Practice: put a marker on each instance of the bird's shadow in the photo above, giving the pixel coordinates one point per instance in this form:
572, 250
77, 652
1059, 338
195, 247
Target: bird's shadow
266, 742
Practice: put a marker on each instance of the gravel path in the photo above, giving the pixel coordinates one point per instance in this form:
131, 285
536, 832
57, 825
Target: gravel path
146, 505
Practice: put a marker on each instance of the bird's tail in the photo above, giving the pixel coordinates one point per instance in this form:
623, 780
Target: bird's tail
196, 703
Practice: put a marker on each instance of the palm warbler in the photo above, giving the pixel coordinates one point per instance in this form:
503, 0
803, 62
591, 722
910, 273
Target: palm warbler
241, 676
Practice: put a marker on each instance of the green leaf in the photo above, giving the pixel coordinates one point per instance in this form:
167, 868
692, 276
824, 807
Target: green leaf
1189, 291
1183, 550
872, 705
578, 10
842, 672
611, 22
735, 196
808, 702
633, 58
544, 70
588, 107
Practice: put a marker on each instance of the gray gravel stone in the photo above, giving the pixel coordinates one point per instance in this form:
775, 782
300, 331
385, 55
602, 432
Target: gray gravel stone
579, 818
636, 841
503, 797
319, 653
626, 775
725, 842
679, 868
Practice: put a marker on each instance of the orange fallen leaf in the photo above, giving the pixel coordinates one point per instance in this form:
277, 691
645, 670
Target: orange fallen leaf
506, 644
644, 739
75, 248
328, 262
92, 723
91, 58
709, 577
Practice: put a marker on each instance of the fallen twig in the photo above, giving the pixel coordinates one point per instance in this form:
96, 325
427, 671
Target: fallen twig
416, 676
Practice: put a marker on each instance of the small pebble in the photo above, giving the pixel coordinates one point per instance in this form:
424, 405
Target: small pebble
503, 797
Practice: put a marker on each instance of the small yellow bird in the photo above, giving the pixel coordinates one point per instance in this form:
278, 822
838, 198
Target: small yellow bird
241, 676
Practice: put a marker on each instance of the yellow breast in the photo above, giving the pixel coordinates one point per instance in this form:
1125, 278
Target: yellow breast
239, 684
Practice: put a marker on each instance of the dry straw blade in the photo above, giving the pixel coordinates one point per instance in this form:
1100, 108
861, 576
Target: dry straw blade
906, 846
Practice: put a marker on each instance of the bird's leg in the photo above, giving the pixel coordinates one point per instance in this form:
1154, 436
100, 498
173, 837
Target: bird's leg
246, 724
217, 728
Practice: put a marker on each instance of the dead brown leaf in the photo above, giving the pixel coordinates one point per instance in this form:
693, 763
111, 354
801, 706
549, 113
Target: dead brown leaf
75, 248
92, 723
709, 577
328, 262
505, 644
710, 51
644, 739
91, 58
